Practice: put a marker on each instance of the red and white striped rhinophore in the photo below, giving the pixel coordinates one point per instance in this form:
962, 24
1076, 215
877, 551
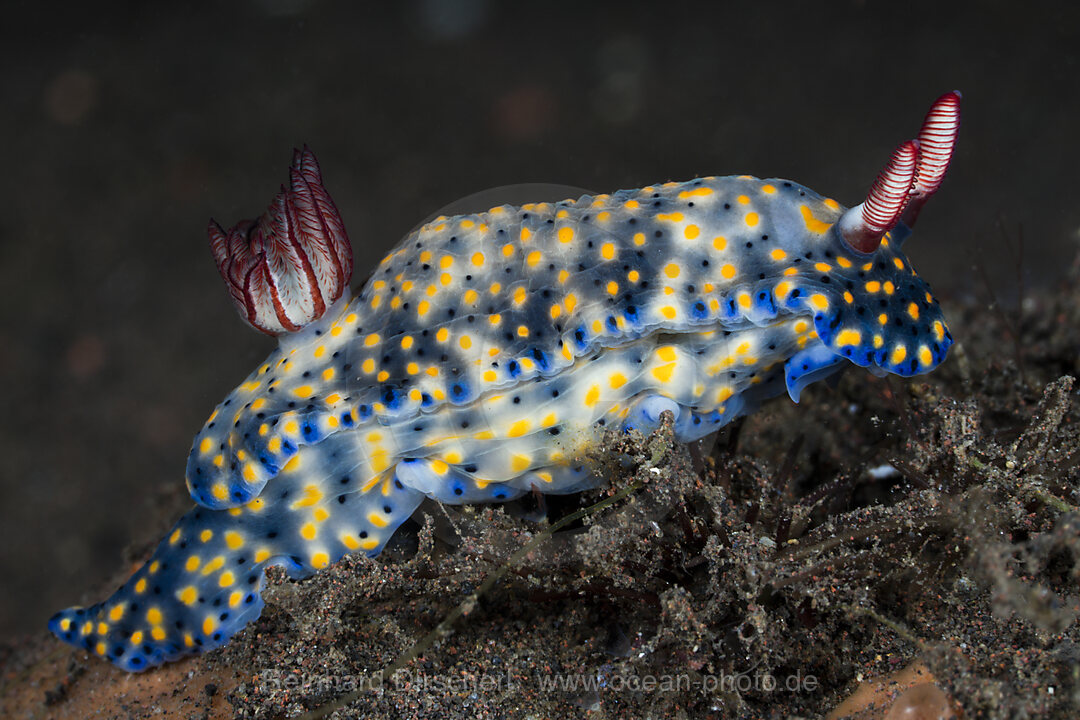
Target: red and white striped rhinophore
937, 140
912, 175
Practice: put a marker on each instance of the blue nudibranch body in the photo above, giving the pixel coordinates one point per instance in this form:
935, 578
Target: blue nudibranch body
487, 351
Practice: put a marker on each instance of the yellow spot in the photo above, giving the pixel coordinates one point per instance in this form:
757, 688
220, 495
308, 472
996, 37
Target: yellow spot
442, 335
882, 319
898, 354
848, 297
153, 616
116, 613
691, 232
188, 595
422, 308
848, 337
728, 271
672, 270
939, 330
206, 535
155, 566
192, 563
136, 637
219, 491
533, 258
822, 267
371, 340
607, 251
744, 300
843, 261
631, 204
205, 445
382, 376
219, 460
768, 189
520, 295
791, 271
465, 341
140, 587
526, 233
669, 312
564, 275
518, 429
617, 380
100, 648
639, 239
751, 219
209, 625
695, 192
913, 311
261, 555
507, 250
898, 263
377, 520
723, 394
307, 531
813, 224
778, 254
213, 565
520, 463
673, 217
925, 356
819, 301
878, 341
158, 633
782, 289
719, 242
873, 286
889, 288
523, 331
235, 598
566, 234
743, 200
592, 396
320, 560
556, 311
234, 540
664, 372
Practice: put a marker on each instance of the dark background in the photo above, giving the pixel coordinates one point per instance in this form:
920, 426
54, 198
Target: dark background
125, 128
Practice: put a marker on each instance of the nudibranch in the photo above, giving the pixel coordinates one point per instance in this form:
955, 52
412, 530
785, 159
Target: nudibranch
486, 351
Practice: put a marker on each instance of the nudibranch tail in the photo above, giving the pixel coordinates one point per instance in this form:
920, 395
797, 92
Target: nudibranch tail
202, 584
286, 268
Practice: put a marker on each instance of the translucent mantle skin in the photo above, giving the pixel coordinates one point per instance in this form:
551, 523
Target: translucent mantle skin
484, 353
